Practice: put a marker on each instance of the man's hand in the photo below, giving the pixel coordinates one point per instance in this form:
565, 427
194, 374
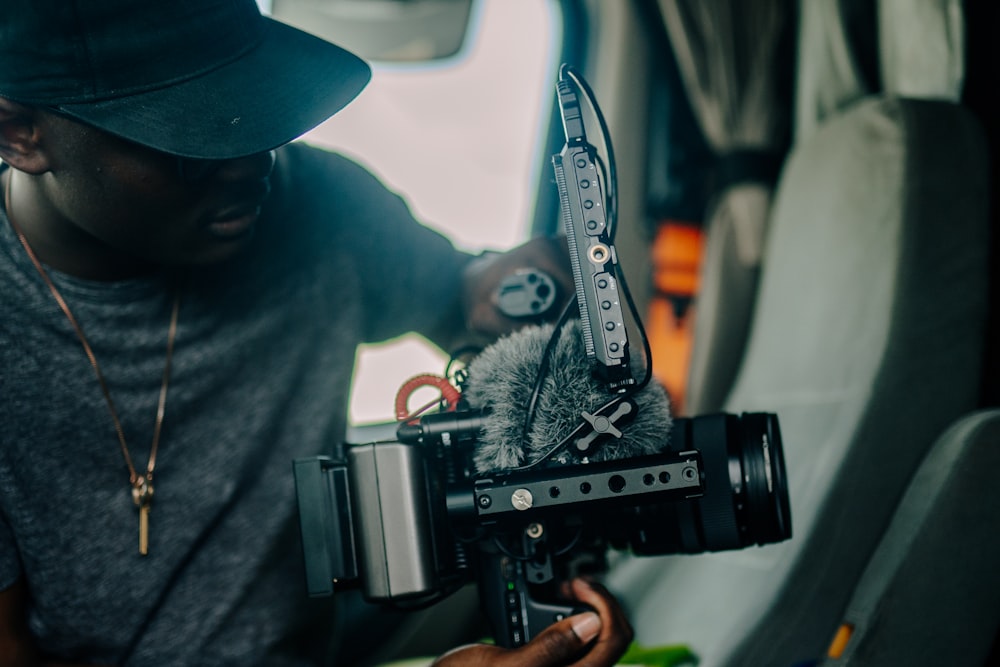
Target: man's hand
584, 640
484, 275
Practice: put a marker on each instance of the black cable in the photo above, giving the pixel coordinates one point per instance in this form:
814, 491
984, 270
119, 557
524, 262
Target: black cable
543, 369
609, 173
646, 349
608, 201
506, 551
566, 548
583, 425
612, 208
612, 185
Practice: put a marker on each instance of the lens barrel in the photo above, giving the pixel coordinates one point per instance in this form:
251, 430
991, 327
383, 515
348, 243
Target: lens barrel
745, 499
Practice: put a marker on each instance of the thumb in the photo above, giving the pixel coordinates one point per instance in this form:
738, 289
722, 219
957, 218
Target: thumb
561, 642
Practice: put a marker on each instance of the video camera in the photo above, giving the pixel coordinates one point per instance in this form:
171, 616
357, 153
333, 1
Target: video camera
410, 519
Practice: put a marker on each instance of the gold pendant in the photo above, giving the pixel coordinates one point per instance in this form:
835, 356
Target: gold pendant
142, 496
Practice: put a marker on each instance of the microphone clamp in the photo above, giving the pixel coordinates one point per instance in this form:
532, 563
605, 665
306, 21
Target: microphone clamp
601, 426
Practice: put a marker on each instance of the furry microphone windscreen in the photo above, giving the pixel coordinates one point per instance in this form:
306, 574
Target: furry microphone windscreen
503, 377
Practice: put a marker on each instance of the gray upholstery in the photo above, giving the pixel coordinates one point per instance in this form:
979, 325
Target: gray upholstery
931, 593
866, 342
726, 294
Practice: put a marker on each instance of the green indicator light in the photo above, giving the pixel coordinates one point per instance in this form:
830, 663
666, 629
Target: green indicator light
510, 585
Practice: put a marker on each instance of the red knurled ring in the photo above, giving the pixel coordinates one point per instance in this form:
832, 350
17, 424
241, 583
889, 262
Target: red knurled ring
449, 394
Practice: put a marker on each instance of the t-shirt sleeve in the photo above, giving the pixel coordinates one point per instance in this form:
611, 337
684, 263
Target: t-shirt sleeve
409, 277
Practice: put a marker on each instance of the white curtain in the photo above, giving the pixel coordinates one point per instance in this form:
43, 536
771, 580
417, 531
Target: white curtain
920, 49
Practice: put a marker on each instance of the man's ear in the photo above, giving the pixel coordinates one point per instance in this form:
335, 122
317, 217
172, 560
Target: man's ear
20, 146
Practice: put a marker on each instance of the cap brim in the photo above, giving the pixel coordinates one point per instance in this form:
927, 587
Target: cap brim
285, 86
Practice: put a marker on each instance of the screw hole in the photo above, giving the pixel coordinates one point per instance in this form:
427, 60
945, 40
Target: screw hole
616, 483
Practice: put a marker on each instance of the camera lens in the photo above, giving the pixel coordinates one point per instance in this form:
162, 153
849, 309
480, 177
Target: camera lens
767, 517
745, 498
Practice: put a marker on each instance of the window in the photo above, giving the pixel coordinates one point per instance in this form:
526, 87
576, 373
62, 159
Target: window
462, 140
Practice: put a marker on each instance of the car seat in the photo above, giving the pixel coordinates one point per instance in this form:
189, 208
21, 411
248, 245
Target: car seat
866, 341
931, 592
846, 50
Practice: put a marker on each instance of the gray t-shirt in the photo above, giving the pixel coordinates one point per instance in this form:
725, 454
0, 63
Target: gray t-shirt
261, 371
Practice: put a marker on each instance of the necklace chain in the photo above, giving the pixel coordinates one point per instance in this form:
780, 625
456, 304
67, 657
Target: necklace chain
142, 487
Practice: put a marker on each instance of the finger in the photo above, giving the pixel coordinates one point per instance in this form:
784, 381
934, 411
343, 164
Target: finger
561, 643
558, 645
616, 632
596, 595
585, 590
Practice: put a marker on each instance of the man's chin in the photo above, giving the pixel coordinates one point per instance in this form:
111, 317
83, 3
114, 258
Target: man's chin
218, 250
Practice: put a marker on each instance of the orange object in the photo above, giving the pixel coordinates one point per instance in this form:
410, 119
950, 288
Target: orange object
449, 395
676, 258
839, 643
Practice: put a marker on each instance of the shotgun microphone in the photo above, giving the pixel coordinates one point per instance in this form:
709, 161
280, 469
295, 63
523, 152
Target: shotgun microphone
572, 405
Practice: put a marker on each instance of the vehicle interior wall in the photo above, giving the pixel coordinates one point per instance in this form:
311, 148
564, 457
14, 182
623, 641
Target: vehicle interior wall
979, 95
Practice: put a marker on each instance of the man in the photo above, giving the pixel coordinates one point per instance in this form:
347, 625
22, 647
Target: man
182, 293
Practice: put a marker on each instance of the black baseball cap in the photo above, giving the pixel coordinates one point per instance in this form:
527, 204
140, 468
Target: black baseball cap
211, 79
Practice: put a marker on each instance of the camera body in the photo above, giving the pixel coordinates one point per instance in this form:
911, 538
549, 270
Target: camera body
410, 522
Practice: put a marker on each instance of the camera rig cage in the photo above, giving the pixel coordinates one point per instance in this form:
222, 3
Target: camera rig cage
410, 521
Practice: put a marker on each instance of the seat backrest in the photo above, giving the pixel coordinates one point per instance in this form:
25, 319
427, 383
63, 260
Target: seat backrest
846, 50
730, 271
866, 341
932, 588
